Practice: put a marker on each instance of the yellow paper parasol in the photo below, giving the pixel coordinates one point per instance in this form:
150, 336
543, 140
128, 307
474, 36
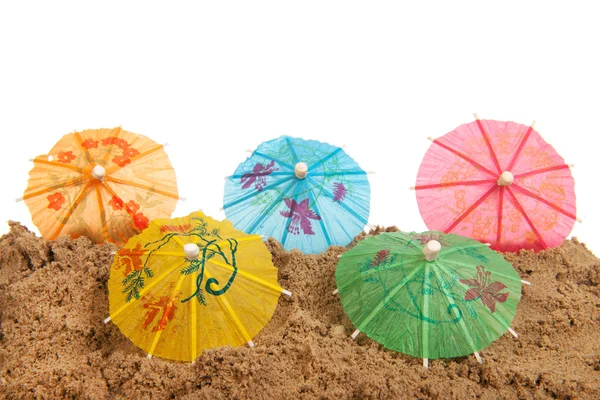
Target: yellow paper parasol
102, 183
188, 284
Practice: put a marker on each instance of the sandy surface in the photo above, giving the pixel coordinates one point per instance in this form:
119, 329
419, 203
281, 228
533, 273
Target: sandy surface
53, 343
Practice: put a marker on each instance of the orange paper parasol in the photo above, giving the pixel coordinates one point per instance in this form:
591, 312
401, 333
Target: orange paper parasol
106, 184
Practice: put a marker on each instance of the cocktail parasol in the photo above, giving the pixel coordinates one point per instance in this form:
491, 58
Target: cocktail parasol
188, 284
429, 295
497, 182
306, 194
105, 184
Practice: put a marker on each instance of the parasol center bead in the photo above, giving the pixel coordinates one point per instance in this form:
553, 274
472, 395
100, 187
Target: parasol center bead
301, 169
99, 172
431, 250
191, 251
506, 178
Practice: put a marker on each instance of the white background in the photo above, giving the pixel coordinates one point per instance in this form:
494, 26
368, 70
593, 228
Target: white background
214, 79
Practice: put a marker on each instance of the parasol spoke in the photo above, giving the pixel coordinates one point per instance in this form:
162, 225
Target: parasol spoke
256, 193
114, 194
222, 300
292, 150
102, 213
163, 320
118, 130
274, 173
499, 315
344, 205
245, 238
141, 186
273, 204
470, 209
175, 237
44, 160
450, 301
387, 295
324, 159
84, 150
473, 266
424, 322
479, 245
61, 224
464, 157
449, 184
165, 253
389, 268
125, 206
316, 208
542, 200
194, 322
71, 182
289, 220
542, 170
339, 173
246, 275
500, 208
283, 164
521, 145
488, 143
112, 168
146, 289
524, 214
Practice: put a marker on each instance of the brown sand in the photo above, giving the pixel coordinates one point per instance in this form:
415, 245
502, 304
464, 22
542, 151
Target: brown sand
53, 343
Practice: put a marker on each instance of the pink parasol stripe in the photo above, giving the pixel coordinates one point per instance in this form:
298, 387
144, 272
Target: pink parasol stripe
464, 157
541, 171
521, 145
447, 184
489, 145
546, 202
500, 208
470, 209
524, 214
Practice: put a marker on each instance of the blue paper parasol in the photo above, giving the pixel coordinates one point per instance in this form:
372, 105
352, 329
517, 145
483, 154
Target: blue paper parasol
306, 194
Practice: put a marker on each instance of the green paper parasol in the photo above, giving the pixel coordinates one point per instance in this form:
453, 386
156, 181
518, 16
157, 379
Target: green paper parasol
429, 295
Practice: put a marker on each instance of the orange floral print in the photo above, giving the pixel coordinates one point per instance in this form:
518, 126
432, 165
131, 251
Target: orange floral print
553, 192
132, 206
176, 228
166, 306
141, 221
116, 203
549, 221
121, 143
482, 228
530, 237
121, 161
130, 259
461, 204
66, 156
55, 201
130, 152
90, 144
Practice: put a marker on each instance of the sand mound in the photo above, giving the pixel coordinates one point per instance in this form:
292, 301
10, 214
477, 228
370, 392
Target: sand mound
53, 343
